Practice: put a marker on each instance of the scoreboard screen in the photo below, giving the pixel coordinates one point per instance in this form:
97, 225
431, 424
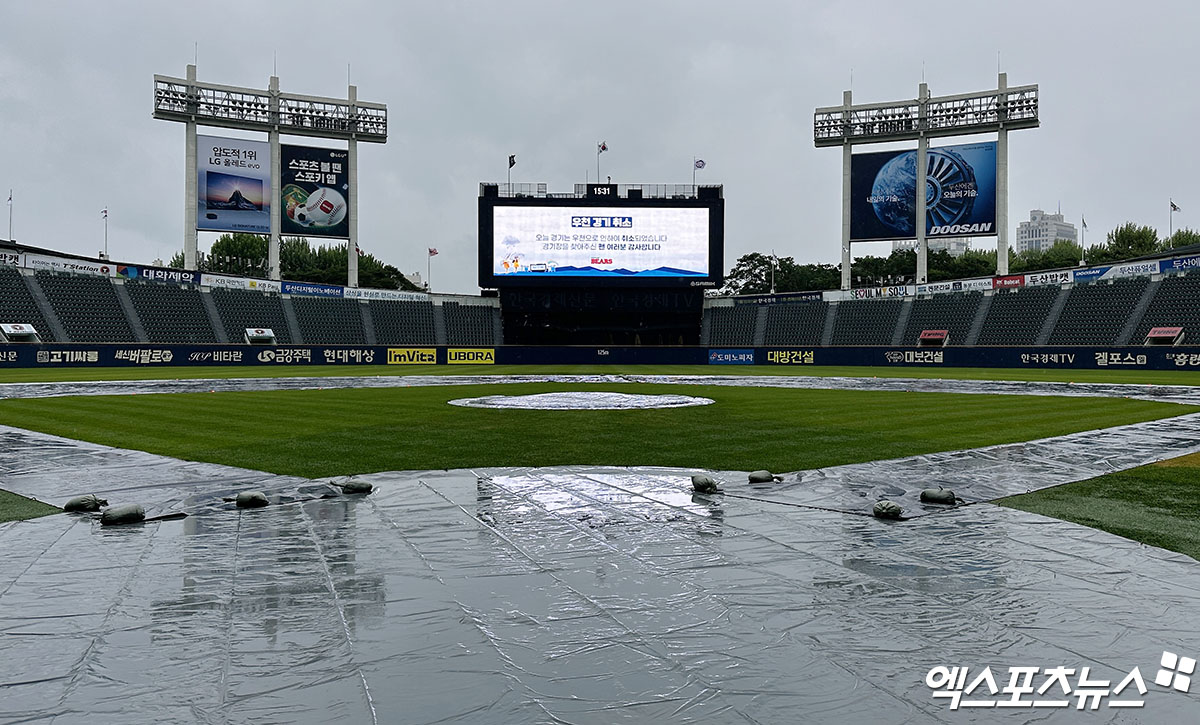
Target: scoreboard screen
528, 241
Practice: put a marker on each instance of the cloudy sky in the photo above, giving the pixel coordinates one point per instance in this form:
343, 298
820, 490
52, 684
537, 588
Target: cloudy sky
662, 82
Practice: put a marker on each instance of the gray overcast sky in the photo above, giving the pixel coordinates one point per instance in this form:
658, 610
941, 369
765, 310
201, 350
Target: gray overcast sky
467, 83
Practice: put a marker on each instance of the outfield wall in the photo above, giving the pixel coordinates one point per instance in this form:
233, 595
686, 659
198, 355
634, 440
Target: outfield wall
24, 355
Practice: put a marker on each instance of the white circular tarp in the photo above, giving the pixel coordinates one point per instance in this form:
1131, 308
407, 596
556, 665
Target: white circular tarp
581, 400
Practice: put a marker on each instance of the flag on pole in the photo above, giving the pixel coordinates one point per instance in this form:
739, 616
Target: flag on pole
1175, 207
601, 148
104, 212
512, 160
699, 163
358, 249
433, 251
10, 197
1084, 220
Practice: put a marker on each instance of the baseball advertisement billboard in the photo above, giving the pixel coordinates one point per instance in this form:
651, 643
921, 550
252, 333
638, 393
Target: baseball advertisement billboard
960, 193
616, 243
233, 185
314, 192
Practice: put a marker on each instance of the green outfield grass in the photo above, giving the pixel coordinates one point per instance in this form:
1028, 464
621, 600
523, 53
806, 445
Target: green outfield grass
19, 508
317, 433
1157, 505
1143, 377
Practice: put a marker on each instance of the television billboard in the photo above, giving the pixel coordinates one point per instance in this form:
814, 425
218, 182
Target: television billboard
314, 192
960, 193
233, 185
607, 242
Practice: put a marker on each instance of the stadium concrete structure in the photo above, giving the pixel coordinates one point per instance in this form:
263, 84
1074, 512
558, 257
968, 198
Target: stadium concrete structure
95, 312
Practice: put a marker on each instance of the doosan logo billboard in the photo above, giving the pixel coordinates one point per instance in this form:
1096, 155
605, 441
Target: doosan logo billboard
960, 193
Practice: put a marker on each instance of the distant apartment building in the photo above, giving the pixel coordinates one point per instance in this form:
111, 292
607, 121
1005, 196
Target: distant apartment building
1042, 231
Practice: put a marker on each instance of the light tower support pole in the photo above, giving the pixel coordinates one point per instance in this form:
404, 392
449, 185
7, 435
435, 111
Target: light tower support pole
921, 192
1002, 182
352, 193
274, 271
847, 149
190, 235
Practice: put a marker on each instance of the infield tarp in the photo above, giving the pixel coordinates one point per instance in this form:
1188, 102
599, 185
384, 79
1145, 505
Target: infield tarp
577, 595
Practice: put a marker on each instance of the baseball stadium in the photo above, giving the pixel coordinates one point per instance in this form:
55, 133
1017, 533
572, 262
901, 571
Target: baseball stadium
601, 490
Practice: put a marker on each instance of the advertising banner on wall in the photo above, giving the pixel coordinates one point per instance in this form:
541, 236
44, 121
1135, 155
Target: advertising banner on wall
233, 185
314, 192
960, 193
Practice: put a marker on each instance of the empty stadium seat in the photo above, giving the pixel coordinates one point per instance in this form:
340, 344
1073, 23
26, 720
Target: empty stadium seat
1017, 316
329, 321
17, 306
87, 307
732, 326
795, 323
240, 309
1095, 314
469, 324
953, 312
403, 322
866, 322
1175, 304
171, 313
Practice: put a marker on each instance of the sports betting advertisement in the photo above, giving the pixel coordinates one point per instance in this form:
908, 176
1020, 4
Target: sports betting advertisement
314, 191
233, 185
960, 193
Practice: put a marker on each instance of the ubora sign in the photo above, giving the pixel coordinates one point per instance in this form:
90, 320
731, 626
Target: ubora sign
471, 356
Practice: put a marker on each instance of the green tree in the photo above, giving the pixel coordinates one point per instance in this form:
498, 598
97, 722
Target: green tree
1131, 240
1182, 238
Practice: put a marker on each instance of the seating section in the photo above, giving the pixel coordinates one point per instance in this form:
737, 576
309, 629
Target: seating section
17, 306
469, 324
86, 306
796, 323
732, 325
866, 322
327, 321
1016, 316
1175, 304
953, 312
1095, 314
171, 313
240, 309
403, 323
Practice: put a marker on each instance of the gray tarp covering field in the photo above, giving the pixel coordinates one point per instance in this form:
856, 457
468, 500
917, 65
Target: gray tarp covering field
579, 595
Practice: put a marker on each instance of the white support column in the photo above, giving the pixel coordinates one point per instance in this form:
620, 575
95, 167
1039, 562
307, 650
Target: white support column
274, 271
920, 192
1002, 183
190, 235
352, 178
846, 158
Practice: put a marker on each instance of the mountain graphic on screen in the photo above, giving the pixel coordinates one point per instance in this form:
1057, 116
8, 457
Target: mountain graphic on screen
236, 201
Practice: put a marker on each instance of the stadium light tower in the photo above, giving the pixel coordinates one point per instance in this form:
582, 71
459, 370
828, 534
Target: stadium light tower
996, 111
193, 103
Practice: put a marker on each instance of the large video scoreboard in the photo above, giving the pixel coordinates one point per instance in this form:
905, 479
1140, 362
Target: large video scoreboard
600, 240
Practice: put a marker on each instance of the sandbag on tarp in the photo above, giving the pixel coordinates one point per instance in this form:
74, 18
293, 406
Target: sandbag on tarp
251, 500
355, 487
763, 477
704, 484
127, 514
886, 510
938, 495
88, 502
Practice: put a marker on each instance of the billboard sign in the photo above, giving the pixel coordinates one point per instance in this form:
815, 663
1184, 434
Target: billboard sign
960, 193
658, 242
314, 192
233, 185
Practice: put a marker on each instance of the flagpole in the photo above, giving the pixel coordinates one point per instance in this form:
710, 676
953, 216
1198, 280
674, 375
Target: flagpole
428, 272
10, 215
693, 173
1171, 225
598, 151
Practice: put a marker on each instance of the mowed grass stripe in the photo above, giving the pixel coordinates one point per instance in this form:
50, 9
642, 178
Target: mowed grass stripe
339, 432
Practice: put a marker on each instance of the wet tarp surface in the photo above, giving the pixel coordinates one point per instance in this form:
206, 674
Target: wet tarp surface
578, 595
